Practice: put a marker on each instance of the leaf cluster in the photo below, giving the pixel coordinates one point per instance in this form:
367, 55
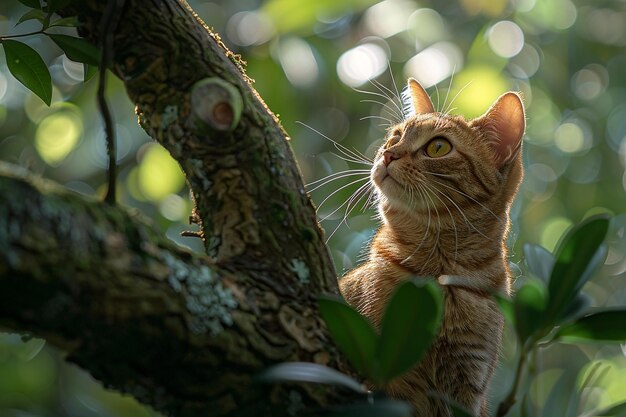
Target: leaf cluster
27, 65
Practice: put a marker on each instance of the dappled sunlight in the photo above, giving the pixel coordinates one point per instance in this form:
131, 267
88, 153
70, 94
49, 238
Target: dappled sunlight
57, 135
158, 174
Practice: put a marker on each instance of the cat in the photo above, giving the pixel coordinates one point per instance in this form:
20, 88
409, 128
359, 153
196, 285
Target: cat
445, 185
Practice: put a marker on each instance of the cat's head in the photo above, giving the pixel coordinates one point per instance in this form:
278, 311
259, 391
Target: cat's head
434, 161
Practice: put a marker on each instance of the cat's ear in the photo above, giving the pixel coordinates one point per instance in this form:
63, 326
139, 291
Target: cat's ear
418, 98
505, 123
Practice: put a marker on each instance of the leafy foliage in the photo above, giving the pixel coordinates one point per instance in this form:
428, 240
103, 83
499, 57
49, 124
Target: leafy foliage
578, 257
409, 325
352, 333
77, 49
28, 68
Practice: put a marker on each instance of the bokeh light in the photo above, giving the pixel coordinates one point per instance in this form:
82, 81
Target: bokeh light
159, 175
388, 17
435, 63
506, 39
362, 63
298, 61
57, 135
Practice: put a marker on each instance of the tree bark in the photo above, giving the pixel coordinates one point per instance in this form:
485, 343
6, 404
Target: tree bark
181, 332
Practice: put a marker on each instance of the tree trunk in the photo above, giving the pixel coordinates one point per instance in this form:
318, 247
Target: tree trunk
181, 332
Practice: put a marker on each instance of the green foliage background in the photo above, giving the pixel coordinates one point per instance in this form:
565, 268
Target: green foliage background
569, 64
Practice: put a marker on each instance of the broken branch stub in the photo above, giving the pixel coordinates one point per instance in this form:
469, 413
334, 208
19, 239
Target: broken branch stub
216, 105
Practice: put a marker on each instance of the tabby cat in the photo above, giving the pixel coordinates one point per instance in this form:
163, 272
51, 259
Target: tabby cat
445, 186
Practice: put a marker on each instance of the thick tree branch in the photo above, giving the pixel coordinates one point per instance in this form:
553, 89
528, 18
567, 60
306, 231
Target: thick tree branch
143, 316
180, 332
250, 200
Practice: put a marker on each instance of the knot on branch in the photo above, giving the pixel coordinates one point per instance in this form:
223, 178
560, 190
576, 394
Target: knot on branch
216, 105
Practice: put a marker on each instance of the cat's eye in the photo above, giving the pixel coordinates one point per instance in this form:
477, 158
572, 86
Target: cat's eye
392, 141
438, 147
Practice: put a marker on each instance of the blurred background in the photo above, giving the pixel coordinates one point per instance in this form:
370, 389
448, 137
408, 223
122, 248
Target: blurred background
324, 65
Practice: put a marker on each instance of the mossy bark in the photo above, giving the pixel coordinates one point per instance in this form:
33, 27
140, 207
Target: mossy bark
181, 332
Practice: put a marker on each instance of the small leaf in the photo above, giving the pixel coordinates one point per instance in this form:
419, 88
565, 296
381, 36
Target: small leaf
579, 256
30, 15
605, 326
530, 304
539, 261
77, 49
353, 333
28, 68
309, 372
70, 21
89, 71
409, 326
31, 3
379, 408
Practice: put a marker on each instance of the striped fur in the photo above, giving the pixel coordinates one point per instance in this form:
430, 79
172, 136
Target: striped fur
446, 217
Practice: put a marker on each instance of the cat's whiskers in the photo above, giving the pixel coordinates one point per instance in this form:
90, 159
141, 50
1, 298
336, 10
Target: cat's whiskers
472, 199
383, 96
362, 189
432, 251
397, 95
375, 116
450, 109
390, 110
336, 176
445, 100
347, 152
339, 189
467, 221
456, 236
391, 97
422, 194
437, 174
352, 203
356, 161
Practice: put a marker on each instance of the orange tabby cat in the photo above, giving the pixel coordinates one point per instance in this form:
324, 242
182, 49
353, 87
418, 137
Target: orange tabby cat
445, 186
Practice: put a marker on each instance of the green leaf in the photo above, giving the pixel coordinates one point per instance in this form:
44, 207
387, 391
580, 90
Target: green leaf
530, 305
605, 326
353, 333
31, 15
309, 372
617, 410
579, 256
379, 408
579, 305
77, 49
28, 68
70, 21
539, 261
31, 3
89, 72
409, 326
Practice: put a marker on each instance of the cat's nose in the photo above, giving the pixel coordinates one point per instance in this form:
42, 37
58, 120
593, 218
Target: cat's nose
389, 156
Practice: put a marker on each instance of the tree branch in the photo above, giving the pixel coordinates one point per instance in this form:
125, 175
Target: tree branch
142, 315
183, 333
250, 199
